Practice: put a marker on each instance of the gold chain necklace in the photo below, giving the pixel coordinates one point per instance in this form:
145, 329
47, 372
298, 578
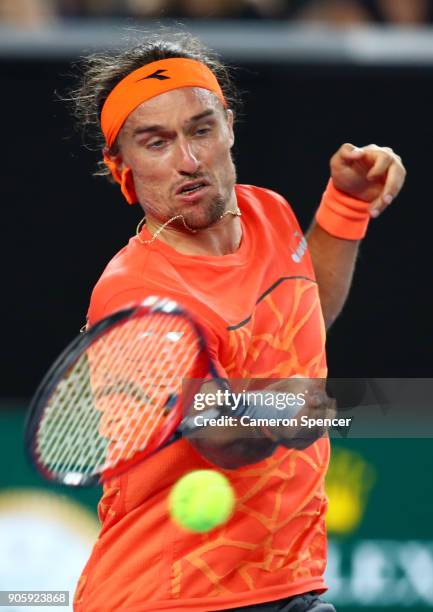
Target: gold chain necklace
235, 213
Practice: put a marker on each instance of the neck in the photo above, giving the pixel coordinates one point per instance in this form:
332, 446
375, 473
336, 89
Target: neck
222, 238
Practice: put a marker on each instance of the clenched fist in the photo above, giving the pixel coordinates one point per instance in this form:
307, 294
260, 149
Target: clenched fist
371, 173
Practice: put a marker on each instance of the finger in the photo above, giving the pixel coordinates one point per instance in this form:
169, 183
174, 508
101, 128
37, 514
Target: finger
392, 187
394, 181
349, 152
380, 167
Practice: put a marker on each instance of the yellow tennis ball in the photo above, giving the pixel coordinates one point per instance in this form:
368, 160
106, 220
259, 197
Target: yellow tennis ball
201, 500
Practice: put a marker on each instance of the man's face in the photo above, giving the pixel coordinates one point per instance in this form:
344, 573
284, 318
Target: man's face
178, 148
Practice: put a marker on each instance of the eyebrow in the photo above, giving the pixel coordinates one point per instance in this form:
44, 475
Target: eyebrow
149, 129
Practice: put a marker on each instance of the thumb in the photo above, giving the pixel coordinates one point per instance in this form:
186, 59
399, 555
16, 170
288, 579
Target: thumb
349, 152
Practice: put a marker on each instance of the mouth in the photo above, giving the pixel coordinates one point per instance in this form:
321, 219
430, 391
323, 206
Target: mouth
192, 188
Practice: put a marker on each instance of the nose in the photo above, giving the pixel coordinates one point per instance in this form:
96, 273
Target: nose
188, 162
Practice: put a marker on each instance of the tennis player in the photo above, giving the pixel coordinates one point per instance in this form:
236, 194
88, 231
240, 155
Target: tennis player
235, 256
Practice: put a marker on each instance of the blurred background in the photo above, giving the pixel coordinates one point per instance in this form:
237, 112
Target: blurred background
314, 74
34, 13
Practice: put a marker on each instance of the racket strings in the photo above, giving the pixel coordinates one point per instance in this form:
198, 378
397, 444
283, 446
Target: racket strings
103, 366
92, 416
113, 402
122, 422
104, 359
76, 398
76, 417
165, 359
59, 432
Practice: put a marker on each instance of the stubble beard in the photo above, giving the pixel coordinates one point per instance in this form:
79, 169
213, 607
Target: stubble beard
205, 214
202, 215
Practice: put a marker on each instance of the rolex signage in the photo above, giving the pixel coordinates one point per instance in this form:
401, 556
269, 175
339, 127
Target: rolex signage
379, 524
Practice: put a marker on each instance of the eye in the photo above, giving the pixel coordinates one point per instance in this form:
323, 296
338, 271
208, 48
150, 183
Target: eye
203, 131
156, 144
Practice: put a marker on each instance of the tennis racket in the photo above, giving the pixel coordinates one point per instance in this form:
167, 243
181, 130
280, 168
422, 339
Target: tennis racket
114, 396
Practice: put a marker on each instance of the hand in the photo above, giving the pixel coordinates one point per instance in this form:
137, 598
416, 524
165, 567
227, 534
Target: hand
228, 447
234, 446
373, 174
318, 405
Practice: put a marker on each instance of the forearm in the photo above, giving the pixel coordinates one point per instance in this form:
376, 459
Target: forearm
334, 263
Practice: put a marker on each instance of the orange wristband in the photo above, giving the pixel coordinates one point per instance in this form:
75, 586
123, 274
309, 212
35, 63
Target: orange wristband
342, 216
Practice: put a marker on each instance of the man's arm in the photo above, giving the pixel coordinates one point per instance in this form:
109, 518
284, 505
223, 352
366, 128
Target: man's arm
238, 445
334, 264
373, 176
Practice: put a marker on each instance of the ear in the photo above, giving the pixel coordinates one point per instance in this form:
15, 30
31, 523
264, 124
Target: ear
113, 159
230, 121
113, 164
121, 174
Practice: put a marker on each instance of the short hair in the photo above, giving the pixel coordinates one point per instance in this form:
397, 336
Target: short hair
100, 73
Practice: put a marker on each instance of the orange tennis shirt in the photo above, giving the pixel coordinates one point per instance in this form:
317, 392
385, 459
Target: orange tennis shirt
260, 307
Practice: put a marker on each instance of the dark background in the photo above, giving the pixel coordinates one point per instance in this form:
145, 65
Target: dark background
63, 225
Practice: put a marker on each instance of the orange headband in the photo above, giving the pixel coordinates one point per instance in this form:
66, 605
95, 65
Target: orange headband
149, 81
